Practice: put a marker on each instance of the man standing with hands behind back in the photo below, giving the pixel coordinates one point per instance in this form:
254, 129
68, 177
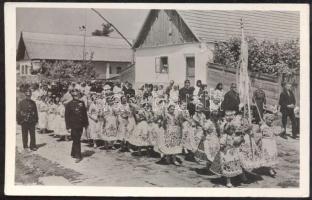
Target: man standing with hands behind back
76, 119
287, 103
27, 117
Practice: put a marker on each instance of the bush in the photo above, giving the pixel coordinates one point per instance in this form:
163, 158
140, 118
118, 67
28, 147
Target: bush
263, 56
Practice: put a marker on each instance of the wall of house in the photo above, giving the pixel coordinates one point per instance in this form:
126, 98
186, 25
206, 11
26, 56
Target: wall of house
145, 63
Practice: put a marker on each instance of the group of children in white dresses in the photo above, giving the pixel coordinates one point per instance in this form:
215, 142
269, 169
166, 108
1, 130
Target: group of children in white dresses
231, 146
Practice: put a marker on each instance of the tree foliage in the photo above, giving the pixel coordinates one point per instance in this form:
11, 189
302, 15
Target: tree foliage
106, 30
263, 56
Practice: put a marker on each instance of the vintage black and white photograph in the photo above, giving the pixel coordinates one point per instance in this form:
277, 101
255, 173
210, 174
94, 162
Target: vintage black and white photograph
168, 97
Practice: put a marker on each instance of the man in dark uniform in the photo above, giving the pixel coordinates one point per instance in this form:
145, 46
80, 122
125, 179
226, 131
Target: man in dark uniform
260, 100
186, 95
287, 103
231, 100
27, 117
76, 119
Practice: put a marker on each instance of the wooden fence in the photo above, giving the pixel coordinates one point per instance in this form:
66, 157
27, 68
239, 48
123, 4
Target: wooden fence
270, 84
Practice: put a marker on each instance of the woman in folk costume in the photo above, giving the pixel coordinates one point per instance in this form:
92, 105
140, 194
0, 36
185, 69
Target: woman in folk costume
61, 128
109, 131
123, 115
140, 136
42, 114
268, 144
94, 128
51, 114
172, 141
227, 162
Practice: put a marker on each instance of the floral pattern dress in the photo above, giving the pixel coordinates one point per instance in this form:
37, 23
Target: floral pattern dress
42, 115
123, 115
110, 130
140, 136
268, 145
61, 128
51, 125
227, 161
171, 142
94, 130
211, 141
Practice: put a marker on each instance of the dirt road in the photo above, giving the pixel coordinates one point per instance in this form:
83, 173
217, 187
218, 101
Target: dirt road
52, 165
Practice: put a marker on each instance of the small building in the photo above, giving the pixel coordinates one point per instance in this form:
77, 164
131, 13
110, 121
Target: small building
109, 55
178, 44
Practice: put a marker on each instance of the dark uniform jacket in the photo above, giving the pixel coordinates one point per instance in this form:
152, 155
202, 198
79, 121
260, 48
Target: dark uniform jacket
186, 94
231, 101
286, 99
76, 115
27, 112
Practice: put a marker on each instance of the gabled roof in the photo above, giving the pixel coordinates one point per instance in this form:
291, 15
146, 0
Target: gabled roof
220, 25
70, 47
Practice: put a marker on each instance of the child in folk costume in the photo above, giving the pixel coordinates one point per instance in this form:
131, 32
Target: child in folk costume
211, 142
140, 137
172, 145
249, 152
268, 144
227, 161
109, 131
123, 115
43, 115
94, 129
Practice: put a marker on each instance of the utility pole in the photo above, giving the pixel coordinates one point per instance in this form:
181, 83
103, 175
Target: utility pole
83, 28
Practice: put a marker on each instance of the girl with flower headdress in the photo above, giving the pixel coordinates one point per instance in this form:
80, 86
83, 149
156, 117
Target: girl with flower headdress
268, 144
172, 136
227, 161
109, 130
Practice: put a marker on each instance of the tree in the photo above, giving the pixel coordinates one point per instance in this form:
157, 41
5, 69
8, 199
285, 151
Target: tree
106, 30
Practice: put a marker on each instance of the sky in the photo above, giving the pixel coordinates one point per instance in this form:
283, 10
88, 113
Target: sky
68, 20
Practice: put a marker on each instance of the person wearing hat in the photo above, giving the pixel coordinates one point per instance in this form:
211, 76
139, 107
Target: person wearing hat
231, 100
76, 119
27, 117
287, 104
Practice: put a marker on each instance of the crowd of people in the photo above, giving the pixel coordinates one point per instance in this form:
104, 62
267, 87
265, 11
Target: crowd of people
166, 121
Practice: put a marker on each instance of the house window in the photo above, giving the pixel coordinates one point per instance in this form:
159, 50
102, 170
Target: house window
161, 64
118, 70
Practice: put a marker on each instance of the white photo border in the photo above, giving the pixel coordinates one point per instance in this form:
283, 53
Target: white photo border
10, 112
